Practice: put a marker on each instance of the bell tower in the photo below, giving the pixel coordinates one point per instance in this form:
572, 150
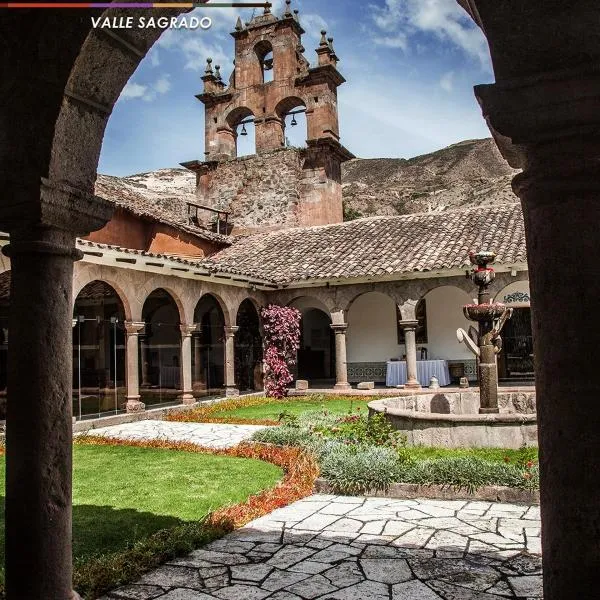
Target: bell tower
271, 80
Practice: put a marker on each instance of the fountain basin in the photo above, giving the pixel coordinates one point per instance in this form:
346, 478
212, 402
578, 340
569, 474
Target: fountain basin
452, 420
484, 312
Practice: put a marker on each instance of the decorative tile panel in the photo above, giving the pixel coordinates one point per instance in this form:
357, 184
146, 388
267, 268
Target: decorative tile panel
366, 371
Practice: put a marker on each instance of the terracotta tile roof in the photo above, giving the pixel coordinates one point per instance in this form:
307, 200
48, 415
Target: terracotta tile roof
378, 246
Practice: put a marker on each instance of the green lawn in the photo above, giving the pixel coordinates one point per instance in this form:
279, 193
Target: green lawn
296, 405
123, 494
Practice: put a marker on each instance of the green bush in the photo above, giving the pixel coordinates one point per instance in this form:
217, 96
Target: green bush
354, 469
283, 436
469, 473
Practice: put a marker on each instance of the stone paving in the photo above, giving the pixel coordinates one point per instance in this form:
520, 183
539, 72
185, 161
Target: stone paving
211, 435
353, 548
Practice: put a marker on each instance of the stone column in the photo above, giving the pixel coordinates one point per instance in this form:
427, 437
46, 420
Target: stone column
132, 333
39, 414
410, 330
552, 119
341, 366
230, 389
187, 396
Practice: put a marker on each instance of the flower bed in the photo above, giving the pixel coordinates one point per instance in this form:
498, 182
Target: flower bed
359, 455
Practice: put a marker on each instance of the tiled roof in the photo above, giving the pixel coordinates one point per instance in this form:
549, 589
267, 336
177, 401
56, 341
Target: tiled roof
167, 210
378, 246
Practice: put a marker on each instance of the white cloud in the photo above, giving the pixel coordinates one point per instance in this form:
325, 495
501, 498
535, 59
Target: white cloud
163, 85
146, 92
154, 57
133, 90
442, 18
447, 81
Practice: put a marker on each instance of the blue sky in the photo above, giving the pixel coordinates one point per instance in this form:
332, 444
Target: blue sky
410, 67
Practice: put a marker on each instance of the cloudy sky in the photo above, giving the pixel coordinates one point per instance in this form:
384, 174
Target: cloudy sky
410, 67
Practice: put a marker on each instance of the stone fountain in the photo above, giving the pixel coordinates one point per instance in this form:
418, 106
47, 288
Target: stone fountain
491, 317
469, 418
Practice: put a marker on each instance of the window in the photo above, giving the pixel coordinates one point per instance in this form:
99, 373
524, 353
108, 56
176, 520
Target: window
421, 314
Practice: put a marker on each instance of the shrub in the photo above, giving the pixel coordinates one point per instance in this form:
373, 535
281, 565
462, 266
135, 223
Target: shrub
281, 326
283, 436
469, 473
354, 469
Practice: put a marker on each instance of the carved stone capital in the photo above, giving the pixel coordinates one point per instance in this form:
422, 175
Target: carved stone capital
134, 327
409, 324
528, 113
339, 327
57, 205
231, 331
188, 329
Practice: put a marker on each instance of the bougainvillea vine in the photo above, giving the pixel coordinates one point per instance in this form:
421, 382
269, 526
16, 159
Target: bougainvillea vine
281, 326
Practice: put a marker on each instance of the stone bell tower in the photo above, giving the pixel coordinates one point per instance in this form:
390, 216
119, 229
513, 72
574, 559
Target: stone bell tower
278, 186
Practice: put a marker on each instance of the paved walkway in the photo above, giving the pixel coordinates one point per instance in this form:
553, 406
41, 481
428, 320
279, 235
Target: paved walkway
353, 548
211, 435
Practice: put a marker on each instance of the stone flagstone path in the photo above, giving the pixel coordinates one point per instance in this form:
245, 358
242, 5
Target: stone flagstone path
354, 548
211, 435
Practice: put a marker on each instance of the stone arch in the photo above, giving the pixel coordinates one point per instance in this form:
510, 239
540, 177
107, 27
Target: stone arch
99, 316
318, 300
174, 297
248, 346
241, 122
225, 309
264, 53
114, 282
99, 73
294, 123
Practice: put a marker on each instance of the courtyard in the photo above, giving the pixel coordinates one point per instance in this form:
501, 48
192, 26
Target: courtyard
183, 472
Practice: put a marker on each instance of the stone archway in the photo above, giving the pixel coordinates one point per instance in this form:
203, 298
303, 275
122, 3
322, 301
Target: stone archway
542, 111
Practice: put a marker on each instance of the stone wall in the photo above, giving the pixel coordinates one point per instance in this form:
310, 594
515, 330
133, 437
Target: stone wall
271, 191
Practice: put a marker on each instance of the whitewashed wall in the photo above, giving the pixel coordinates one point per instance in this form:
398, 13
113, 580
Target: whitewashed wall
444, 317
372, 335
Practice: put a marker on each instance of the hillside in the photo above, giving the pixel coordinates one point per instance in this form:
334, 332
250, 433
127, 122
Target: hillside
470, 173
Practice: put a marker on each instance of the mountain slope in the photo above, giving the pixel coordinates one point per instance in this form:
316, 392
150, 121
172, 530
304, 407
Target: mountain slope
470, 173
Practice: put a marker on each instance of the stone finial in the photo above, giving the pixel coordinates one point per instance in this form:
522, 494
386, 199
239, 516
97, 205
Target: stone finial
297, 15
288, 12
238, 24
209, 70
268, 8
330, 43
323, 38
218, 72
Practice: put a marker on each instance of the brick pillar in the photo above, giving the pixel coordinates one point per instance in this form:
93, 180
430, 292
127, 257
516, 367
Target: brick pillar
132, 333
341, 366
410, 329
230, 388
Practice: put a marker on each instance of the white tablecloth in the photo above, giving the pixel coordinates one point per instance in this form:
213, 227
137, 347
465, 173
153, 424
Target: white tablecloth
396, 372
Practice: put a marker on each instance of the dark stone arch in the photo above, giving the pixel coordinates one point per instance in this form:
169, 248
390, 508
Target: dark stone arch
160, 349
208, 357
248, 348
98, 350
